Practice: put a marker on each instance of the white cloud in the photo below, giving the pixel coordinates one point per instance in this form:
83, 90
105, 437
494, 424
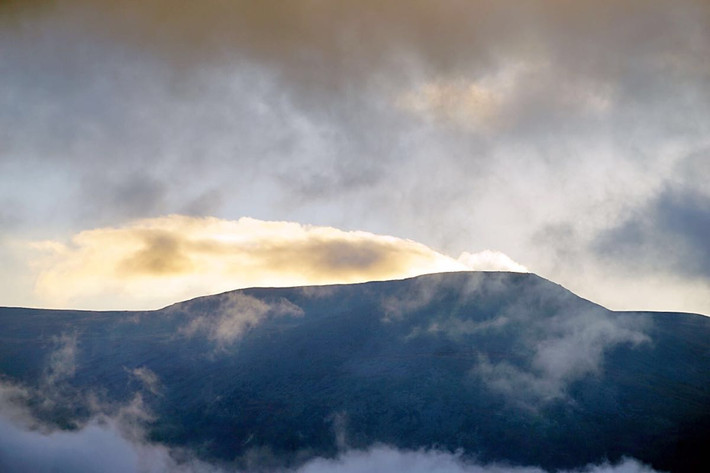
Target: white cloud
384, 459
98, 446
101, 446
489, 260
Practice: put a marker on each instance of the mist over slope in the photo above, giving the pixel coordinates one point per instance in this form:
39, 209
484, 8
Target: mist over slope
493, 368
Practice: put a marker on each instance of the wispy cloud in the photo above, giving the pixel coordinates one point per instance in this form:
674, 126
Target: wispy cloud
104, 443
148, 378
237, 312
558, 351
62, 361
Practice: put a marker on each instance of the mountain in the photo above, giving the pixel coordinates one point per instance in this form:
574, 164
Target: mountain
503, 367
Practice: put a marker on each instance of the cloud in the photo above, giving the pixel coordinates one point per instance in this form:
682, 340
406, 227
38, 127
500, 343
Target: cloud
117, 442
553, 338
148, 378
489, 260
424, 291
648, 253
456, 328
237, 312
656, 251
668, 234
62, 361
490, 103
101, 446
468, 105
157, 261
95, 448
557, 351
385, 459
457, 124
309, 39
112, 437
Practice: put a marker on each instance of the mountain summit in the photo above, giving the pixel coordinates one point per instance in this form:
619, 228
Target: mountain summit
504, 367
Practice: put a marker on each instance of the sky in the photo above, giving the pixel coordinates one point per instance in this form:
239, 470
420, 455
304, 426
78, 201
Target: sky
155, 150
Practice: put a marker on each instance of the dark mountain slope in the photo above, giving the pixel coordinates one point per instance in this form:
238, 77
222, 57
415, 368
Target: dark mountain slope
508, 367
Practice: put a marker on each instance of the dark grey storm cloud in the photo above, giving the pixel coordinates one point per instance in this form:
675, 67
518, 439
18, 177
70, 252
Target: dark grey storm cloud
334, 45
335, 63
130, 196
671, 233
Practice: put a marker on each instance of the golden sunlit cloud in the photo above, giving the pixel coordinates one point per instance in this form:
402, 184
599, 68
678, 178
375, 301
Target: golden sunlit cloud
154, 262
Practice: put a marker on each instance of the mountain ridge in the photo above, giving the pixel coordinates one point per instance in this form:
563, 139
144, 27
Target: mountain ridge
506, 367
313, 286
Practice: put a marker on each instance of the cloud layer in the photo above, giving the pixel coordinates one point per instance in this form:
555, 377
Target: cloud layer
155, 262
103, 444
534, 129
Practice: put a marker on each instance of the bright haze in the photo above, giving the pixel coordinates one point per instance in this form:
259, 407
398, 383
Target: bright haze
155, 150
